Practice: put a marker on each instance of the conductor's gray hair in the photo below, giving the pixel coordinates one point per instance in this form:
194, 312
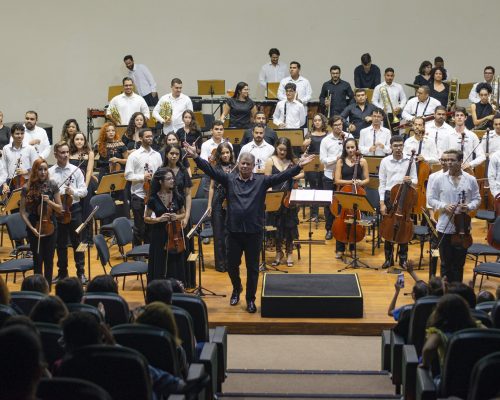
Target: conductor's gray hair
248, 155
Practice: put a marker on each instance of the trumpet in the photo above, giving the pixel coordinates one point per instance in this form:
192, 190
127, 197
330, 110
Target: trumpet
384, 94
452, 95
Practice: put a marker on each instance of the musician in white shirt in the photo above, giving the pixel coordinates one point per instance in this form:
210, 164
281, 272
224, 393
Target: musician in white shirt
179, 103
259, 148
140, 167
438, 130
494, 174
375, 140
492, 138
127, 103
421, 105
289, 113
35, 136
303, 87
273, 71
489, 75
424, 147
143, 78
396, 95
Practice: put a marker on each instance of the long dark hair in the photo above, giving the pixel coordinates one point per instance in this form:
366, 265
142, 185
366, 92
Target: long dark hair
169, 147
344, 148
289, 151
64, 132
218, 153
131, 124
443, 72
452, 314
238, 89
423, 65
193, 126
158, 177
72, 147
324, 122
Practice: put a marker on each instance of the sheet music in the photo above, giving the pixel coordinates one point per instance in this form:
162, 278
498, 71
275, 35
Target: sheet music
311, 196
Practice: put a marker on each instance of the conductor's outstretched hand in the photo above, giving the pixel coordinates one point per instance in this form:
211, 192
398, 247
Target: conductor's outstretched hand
306, 159
190, 150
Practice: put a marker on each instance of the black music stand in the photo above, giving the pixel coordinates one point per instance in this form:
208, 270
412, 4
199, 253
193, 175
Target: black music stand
272, 204
210, 88
311, 197
355, 202
89, 240
13, 201
318, 167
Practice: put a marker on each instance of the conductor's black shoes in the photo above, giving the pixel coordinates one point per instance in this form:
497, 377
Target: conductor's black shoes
251, 307
235, 296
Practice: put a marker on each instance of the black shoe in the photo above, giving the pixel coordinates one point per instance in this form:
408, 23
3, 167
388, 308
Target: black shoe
387, 264
83, 279
59, 277
221, 269
328, 235
251, 307
235, 296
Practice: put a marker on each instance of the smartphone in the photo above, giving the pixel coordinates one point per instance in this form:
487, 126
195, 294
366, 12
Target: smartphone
401, 280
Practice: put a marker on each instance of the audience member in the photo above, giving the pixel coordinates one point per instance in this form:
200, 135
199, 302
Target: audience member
102, 283
50, 309
159, 290
464, 291
35, 283
177, 285
69, 290
484, 296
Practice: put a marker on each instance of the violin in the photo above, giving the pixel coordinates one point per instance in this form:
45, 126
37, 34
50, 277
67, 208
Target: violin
67, 201
113, 166
175, 243
397, 225
17, 181
45, 225
462, 221
341, 230
147, 183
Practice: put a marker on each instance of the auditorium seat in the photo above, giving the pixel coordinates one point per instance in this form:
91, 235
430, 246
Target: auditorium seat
484, 382
50, 334
26, 300
115, 307
69, 388
5, 313
80, 307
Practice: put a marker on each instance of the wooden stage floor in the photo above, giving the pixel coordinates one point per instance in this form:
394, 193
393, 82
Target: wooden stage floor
377, 287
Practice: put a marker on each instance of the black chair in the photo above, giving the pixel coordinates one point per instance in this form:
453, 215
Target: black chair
485, 215
80, 307
485, 269
482, 317
485, 306
400, 329
464, 349
477, 250
198, 208
69, 388
373, 221
121, 371
423, 234
21, 265
124, 235
124, 269
185, 327
115, 306
26, 300
50, 334
16, 228
484, 382
106, 211
5, 313
495, 315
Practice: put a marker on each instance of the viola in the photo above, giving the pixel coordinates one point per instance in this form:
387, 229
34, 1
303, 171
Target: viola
397, 224
147, 183
67, 201
341, 230
175, 243
113, 166
45, 225
462, 221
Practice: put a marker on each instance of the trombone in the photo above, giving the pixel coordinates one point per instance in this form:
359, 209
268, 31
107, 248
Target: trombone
452, 94
384, 94
329, 98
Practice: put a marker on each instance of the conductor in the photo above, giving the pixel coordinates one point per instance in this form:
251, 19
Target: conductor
246, 194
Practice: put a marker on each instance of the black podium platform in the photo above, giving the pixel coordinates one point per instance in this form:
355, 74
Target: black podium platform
311, 296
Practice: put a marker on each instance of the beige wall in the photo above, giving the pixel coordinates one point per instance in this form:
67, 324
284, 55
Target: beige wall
59, 57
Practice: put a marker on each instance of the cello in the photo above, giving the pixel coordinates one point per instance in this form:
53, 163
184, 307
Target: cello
334, 205
462, 221
490, 238
481, 172
341, 230
423, 172
397, 225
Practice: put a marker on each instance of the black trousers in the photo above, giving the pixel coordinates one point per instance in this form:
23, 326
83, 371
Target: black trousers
43, 261
250, 244
329, 217
220, 236
452, 259
389, 246
315, 182
63, 232
141, 230
150, 100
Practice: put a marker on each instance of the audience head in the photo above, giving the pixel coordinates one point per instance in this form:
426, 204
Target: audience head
436, 286
69, 290
484, 296
21, 320
452, 314
4, 293
50, 309
177, 285
420, 289
102, 283
82, 329
35, 283
160, 315
159, 290
463, 290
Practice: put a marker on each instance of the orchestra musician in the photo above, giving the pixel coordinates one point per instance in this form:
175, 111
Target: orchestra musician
167, 204
493, 138
178, 103
392, 171
40, 186
173, 140
123, 106
71, 182
302, 85
35, 135
139, 170
366, 75
273, 71
494, 174
70, 127
246, 193
420, 105
270, 135
190, 132
4, 133
489, 76
224, 162
396, 94
240, 108
344, 175
330, 151
130, 137
425, 149
439, 89
482, 112
375, 139
290, 113
439, 130
260, 149
143, 78
112, 151
444, 197
424, 74
286, 218
336, 94
358, 113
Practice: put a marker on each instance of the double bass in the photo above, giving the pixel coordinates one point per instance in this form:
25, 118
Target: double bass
341, 230
397, 224
490, 238
481, 172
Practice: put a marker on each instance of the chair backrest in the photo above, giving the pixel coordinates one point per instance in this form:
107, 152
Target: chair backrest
102, 249
373, 197
107, 207
197, 308
185, 327
50, 335
5, 313
464, 349
496, 230
26, 300
156, 344
69, 388
418, 321
123, 231
115, 307
198, 208
121, 371
483, 317
16, 227
484, 382
495, 315
485, 306
80, 307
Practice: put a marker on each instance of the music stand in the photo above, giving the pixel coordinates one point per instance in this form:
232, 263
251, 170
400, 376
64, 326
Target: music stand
315, 166
210, 88
373, 164
356, 202
195, 171
272, 204
13, 201
272, 90
234, 135
296, 136
111, 183
194, 189
311, 197
90, 240
200, 119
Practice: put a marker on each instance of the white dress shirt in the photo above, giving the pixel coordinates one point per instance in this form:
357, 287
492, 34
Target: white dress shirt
43, 148
430, 183
444, 192
474, 96
428, 150
439, 134
208, 146
76, 182
9, 160
272, 73
416, 108
494, 174
143, 79
292, 114
391, 172
136, 167
304, 89
396, 94
261, 153
128, 105
369, 136
494, 142
471, 145
330, 150
179, 105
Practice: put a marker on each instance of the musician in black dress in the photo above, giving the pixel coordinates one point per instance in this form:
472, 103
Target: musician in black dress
191, 132
131, 137
424, 74
240, 108
69, 129
167, 204
224, 162
438, 88
344, 175
482, 112
112, 151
